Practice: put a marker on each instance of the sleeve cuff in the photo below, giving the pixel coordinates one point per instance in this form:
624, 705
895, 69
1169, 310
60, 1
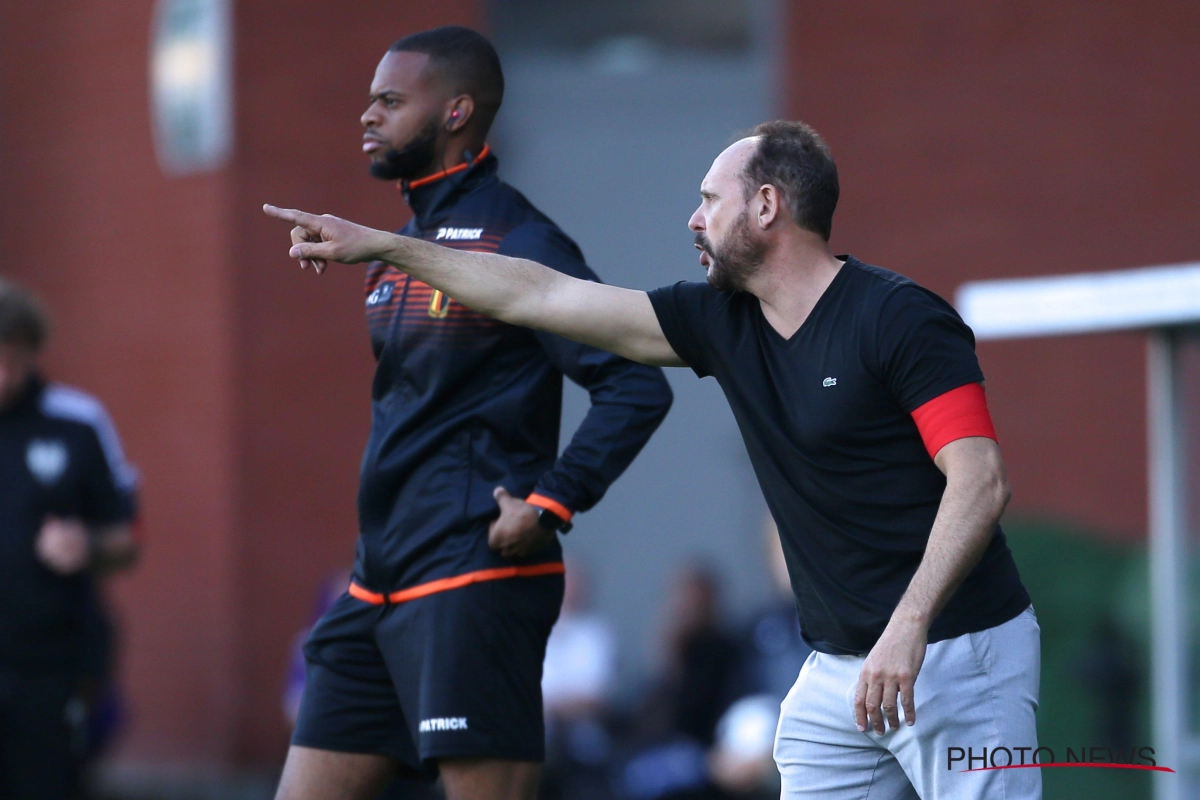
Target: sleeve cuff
550, 504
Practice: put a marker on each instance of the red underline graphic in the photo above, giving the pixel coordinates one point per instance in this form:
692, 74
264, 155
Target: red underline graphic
1101, 764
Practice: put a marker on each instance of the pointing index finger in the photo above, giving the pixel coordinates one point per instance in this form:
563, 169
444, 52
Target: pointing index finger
290, 215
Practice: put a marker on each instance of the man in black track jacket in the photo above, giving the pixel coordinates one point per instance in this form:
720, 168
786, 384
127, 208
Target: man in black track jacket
432, 660
68, 500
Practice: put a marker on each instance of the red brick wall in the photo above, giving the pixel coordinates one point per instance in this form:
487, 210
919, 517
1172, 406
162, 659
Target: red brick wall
979, 140
239, 384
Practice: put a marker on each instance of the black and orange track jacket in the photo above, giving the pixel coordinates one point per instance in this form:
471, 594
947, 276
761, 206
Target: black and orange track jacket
462, 403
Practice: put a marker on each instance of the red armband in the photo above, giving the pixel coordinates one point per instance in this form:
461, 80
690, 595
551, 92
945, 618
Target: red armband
957, 414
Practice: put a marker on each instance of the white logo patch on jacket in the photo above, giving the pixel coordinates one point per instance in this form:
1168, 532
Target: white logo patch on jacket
442, 724
458, 234
382, 294
47, 460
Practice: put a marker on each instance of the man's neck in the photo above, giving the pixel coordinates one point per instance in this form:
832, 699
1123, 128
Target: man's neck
20, 388
791, 281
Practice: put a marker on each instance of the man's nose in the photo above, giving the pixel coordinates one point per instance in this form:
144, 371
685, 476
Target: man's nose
369, 118
696, 223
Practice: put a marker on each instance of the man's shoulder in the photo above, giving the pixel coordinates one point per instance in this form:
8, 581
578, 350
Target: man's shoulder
498, 204
525, 231
70, 404
524, 215
488, 216
879, 287
705, 313
73, 407
876, 280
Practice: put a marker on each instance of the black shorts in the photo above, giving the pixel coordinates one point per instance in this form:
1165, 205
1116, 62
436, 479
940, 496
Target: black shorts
453, 674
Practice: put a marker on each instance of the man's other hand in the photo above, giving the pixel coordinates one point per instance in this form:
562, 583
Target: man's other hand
516, 533
63, 546
317, 240
890, 669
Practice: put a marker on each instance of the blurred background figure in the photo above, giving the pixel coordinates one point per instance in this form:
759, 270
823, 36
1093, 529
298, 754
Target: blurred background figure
773, 652
577, 680
67, 502
773, 649
677, 719
700, 659
333, 587
1110, 667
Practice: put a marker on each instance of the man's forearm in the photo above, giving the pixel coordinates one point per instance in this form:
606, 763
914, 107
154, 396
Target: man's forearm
501, 287
975, 495
964, 526
512, 290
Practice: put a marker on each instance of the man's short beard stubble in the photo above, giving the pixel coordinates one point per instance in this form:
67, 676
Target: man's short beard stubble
737, 259
411, 161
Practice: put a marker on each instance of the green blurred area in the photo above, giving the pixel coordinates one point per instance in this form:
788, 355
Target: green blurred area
1092, 601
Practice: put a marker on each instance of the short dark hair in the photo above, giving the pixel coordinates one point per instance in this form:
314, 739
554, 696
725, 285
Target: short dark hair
23, 320
467, 61
793, 158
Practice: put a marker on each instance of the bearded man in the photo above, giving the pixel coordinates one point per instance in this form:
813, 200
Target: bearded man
432, 660
860, 399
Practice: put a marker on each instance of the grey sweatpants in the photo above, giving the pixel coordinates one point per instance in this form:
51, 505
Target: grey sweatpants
975, 691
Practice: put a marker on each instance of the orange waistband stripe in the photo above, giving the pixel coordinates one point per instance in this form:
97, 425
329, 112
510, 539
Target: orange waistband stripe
550, 504
456, 582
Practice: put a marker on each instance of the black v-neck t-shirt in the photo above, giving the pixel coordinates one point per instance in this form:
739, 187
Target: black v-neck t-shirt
827, 419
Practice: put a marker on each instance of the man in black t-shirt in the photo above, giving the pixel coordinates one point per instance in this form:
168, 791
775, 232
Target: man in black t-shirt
860, 400
67, 498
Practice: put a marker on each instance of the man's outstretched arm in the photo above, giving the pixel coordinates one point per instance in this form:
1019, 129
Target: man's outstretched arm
513, 290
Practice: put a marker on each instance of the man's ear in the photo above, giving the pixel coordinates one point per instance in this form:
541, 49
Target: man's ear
766, 205
459, 112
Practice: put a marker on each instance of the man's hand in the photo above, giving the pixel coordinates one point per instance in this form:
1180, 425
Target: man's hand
516, 533
890, 668
318, 240
63, 545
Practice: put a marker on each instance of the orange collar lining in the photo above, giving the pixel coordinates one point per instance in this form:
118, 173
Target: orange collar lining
428, 179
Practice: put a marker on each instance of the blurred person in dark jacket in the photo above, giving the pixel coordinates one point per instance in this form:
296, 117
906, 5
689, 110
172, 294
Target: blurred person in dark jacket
701, 658
678, 719
67, 501
773, 651
577, 677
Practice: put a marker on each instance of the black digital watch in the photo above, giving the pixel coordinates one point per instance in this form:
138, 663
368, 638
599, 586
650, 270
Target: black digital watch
552, 522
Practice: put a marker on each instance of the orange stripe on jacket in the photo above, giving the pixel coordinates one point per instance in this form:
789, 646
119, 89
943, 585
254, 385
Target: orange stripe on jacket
550, 504
456, 582
956, 414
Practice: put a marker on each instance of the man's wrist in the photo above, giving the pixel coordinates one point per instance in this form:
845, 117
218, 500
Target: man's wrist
910, 618
552, 515
391, 249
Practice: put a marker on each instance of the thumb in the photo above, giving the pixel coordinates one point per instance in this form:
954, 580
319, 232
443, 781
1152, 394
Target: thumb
313, 251
501, 494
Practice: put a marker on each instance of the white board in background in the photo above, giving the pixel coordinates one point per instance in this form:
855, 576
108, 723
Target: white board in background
1090, 302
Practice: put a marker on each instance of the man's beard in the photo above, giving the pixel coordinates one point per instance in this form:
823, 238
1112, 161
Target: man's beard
411, 161
737, 260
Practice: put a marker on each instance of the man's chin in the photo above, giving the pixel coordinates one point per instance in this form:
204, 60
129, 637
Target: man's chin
383, 171
717, 280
